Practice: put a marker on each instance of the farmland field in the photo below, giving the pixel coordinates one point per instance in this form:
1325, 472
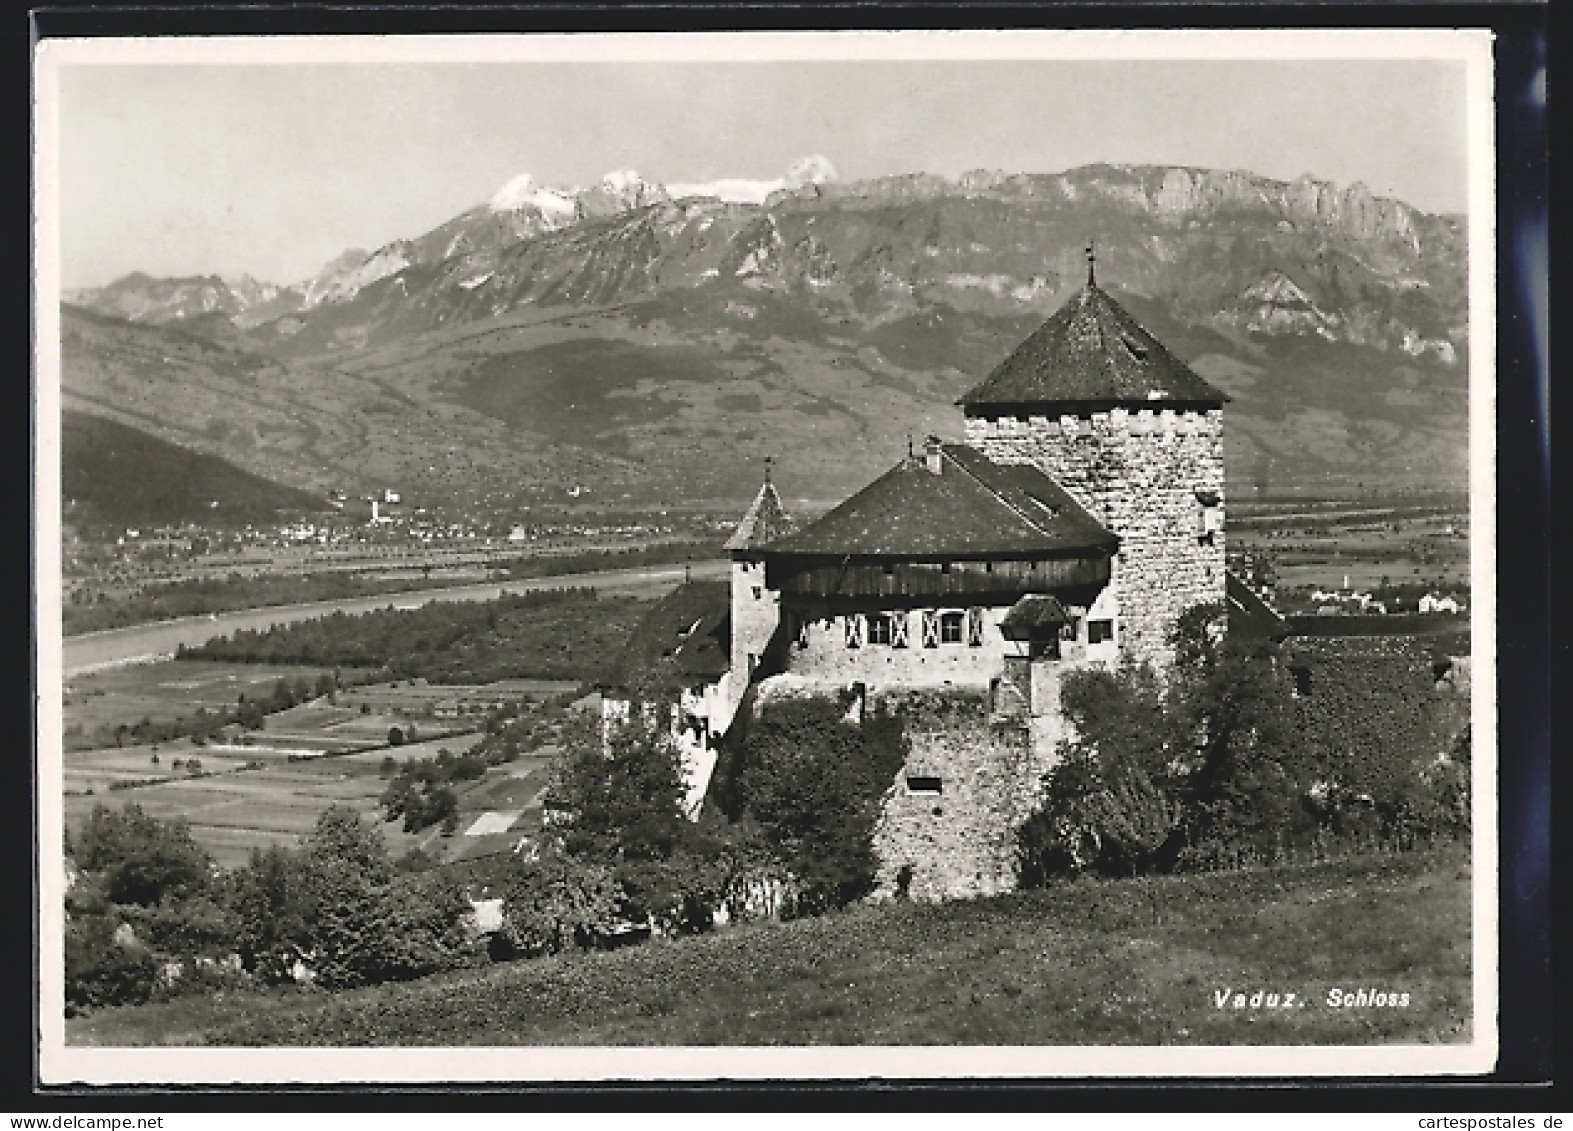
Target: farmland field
259, 799
266, 787
168, 690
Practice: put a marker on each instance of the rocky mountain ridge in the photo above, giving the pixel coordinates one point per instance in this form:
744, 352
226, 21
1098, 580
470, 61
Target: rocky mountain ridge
627, 236
655, 341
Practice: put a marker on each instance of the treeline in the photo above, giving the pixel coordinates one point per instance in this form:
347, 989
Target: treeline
1253, 753
169, 600
550, 634
201, 596
633, 557
148, 915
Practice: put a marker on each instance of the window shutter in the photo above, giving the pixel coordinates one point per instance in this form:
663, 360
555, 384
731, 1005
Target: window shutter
898, 630
930, 628
854, 630
975, 627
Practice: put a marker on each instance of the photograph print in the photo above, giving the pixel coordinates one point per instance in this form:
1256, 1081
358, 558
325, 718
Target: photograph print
775, 555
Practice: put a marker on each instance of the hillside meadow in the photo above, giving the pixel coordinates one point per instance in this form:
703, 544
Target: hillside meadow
1121, 962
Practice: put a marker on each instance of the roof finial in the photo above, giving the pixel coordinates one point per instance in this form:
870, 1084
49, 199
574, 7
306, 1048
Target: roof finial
1092, 259
909, 443
768, 461
688, 569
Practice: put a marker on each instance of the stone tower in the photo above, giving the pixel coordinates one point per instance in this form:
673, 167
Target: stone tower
756, 610
1130, 432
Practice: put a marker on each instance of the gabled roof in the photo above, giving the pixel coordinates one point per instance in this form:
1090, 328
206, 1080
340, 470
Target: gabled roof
1035, 611
973, 507
765, 521
1092, 352
685, 640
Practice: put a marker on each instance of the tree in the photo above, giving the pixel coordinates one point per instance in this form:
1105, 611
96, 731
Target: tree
1248, 773
1209, 768
395, 736
814, 783
343, 875
556, 901
267, 898
140, 858
619, 788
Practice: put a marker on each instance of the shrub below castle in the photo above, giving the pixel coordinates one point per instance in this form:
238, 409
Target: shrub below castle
1251, 754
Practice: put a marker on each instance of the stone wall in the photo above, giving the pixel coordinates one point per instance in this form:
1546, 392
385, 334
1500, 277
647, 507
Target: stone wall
818, 649
1139, 473
756, 611
960, 840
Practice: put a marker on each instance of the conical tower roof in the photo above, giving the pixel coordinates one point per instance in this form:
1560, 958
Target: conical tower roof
765, 521
1091, 353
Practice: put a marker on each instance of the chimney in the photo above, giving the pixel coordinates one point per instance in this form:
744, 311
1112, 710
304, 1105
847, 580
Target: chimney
931, 454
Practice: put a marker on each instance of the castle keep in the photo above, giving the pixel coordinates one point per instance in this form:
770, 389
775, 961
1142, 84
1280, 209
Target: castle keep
1082, 517
1098, 404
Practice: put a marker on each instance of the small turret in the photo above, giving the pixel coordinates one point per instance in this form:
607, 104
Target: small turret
756, 610
765, 520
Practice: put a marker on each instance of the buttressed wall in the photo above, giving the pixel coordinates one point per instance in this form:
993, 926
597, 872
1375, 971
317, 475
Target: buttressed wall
1152, 476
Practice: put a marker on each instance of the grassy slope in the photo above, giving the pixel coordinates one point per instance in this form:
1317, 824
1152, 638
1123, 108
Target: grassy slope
1075, 964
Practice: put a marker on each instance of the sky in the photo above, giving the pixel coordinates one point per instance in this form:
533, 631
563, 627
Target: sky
274, 169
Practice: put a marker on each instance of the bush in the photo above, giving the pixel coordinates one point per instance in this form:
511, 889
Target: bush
267, 899
620, 795
814, 784
558, 901
101, 972
140, 858
1246, 758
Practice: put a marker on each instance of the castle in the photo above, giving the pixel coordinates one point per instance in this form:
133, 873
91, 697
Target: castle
1080, 519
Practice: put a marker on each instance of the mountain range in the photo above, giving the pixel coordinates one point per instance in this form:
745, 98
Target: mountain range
652, 343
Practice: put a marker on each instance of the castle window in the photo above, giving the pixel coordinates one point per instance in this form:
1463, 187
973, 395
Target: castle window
925, 785
879, 629
898, 630
930, 628
854, 626
1209, 522
975, 627
950, 628
758, 592
1302, 681
1100, 631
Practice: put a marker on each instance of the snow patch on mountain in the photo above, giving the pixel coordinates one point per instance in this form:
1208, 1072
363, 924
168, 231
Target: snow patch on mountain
522, 192
345, 282
814, 169
732, 190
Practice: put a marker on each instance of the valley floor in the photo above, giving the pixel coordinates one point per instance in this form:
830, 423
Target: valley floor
1123, 962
